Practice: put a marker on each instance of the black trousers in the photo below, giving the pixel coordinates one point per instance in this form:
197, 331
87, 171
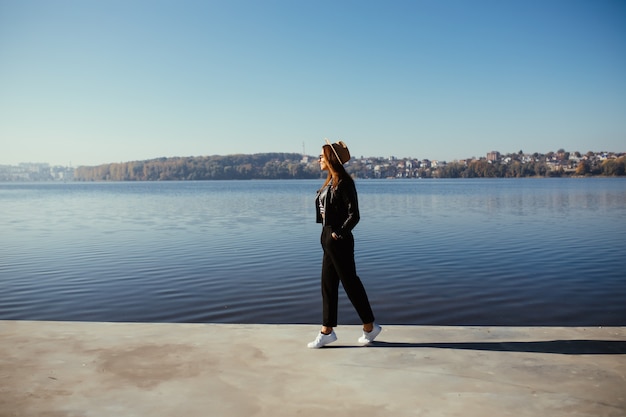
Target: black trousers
338, 266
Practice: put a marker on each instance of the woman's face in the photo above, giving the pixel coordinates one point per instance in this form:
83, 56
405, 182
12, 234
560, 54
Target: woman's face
322, 161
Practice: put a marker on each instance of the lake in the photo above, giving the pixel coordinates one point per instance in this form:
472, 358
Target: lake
514, 252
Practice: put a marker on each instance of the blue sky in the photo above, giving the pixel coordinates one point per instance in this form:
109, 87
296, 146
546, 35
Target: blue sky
92, 82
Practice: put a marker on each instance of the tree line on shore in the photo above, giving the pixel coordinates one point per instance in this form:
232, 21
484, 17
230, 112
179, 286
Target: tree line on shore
229, 167
295, 166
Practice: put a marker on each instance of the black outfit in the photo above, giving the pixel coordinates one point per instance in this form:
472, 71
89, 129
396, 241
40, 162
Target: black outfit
338, 211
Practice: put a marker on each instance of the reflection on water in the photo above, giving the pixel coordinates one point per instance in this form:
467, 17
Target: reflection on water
450, 252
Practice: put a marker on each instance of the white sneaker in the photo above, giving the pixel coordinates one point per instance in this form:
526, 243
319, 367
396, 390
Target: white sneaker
322, 340
368, 337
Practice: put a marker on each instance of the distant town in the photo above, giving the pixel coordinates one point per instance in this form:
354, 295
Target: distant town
297, 166
35, 172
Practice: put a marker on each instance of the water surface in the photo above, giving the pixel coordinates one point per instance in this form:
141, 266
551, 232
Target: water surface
440, 252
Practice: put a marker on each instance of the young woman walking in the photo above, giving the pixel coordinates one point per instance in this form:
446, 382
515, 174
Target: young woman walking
338, 210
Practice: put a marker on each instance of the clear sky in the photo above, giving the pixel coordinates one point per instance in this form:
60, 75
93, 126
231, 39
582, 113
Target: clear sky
96, 81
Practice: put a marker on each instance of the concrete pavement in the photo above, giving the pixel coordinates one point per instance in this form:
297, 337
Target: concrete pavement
59, 369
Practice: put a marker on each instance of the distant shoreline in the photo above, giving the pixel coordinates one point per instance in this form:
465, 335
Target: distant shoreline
298, 166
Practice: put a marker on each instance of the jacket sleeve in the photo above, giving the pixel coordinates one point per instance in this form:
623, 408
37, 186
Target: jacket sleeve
351, 205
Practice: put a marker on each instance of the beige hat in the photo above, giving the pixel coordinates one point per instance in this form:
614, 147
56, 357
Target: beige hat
341, 151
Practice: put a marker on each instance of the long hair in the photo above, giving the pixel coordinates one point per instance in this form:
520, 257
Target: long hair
336, 171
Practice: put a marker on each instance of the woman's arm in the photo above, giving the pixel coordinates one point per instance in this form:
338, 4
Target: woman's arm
350, 209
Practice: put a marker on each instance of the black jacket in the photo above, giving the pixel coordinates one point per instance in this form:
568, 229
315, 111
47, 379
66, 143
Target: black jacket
341, 208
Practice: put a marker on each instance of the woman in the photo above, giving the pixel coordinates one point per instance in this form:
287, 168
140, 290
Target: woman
338, 210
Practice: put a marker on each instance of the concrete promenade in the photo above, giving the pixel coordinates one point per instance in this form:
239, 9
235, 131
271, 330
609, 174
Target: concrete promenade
77, 369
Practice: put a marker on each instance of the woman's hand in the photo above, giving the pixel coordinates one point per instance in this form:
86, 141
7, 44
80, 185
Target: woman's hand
335, 236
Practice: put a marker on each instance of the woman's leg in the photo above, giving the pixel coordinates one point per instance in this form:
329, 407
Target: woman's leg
341, 256
330, 286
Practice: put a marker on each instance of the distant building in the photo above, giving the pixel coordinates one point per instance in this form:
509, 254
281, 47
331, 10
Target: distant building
493, 156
